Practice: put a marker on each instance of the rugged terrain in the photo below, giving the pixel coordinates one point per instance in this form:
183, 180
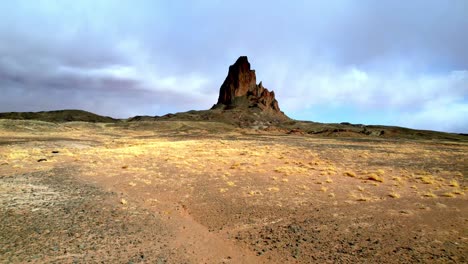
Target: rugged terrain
208, 192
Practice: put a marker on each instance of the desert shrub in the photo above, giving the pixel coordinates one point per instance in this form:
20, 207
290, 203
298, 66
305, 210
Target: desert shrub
375, 177
349, 174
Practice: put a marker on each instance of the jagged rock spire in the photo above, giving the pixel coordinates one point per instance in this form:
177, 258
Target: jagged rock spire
239, 89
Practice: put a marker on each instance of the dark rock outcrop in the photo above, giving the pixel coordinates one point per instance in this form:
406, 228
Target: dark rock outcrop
240, 90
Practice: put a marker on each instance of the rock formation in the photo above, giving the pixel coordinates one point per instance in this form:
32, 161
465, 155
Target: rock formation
240, 90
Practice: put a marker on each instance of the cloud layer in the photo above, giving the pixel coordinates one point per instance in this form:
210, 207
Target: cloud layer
387, 62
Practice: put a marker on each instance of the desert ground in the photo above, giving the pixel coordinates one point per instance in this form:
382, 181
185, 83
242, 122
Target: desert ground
207, 192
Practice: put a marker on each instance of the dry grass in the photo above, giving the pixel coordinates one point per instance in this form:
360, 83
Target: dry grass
375, 177
349, 174
172, 164
397, 179
273, 189
454, 183
427, 179
362, 198
393, 194
230, 183
291, 170
448, 194
380, 172
429, 194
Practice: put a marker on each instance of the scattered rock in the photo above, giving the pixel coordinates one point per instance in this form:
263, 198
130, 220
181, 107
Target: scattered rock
55, 151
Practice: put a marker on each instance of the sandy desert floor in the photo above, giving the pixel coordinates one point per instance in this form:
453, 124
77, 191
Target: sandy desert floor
195, 192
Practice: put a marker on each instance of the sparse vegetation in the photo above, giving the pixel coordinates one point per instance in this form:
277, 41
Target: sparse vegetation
380, 172
349, 174
454, 183
448, 194
273, 189
427, 179
362, 198
168, 171
429, 194
230, 183
375, 177
394, 194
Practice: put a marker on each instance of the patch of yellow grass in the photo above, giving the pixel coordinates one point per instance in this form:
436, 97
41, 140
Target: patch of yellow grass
374, 177
254, 192
427, 179
230, 183
362, 198
429, 194
290, 170
393, 194
235, 165
323, 189
448, 194
273, 189
349, 173
396, 178
380, 172
360, 188
328, 180
145, 181
331, 195
454, 183
223, 190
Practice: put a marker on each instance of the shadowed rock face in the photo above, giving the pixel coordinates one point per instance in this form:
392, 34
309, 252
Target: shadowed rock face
240, 89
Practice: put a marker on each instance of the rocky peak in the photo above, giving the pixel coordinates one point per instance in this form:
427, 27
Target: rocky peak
240, 89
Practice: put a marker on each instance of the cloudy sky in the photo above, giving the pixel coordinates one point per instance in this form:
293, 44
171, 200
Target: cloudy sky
399, 63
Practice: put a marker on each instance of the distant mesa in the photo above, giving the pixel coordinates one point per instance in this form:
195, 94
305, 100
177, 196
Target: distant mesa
240, 90
68, 115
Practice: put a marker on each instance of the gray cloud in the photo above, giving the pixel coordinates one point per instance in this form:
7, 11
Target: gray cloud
406, 60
